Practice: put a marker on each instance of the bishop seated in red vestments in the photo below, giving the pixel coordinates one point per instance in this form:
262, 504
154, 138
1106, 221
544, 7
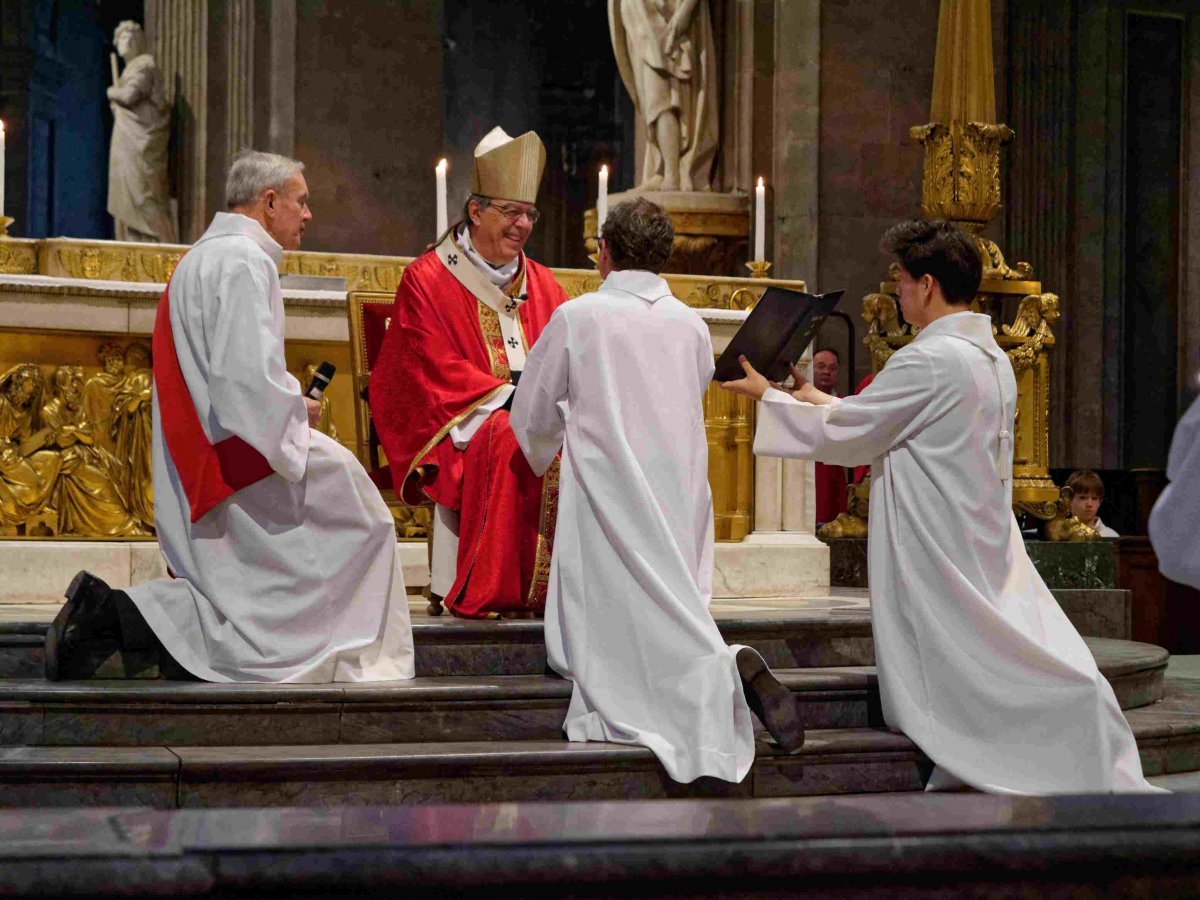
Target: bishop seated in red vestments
467, 311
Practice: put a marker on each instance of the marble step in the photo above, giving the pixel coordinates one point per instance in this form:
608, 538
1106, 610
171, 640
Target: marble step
818, 638
426, 709
35, 712
448, 646
833, 761
865, 847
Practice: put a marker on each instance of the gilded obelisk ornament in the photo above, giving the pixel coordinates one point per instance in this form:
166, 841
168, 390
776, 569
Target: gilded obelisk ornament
961, 183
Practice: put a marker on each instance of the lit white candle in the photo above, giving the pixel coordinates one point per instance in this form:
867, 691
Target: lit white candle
602, 201
1, 170
760, 222
440, 172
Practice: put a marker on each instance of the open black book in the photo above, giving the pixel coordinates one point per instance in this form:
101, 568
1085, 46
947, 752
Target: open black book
776, 332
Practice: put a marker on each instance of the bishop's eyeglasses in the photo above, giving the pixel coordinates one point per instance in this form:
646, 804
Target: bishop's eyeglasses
513, 213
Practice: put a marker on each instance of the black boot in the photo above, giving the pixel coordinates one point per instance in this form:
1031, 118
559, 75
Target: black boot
773, 703
89, 617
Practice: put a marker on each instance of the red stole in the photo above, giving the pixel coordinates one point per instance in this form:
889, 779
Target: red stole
210, 473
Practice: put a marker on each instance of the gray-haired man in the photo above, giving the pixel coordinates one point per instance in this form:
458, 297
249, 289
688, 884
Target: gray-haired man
284, 552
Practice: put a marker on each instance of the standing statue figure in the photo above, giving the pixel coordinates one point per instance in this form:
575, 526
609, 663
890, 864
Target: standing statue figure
100, 392
133, 431
138, 194
666, 58
28, 472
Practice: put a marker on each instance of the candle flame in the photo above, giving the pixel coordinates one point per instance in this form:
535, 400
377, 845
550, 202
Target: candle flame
760, 181
441, 166
604, 170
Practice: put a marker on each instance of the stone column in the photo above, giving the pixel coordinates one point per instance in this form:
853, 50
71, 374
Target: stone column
794, 165
178, 37
781, 556
239, 76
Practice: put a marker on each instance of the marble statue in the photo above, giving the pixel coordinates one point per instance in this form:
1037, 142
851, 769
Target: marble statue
138, 193
27, 471
88, 496
666, 58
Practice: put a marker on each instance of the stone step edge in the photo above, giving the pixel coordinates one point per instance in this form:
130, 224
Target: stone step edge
835, 682
824, 746
849, 745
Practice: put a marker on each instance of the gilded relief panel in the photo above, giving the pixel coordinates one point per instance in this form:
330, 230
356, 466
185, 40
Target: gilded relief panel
76, 429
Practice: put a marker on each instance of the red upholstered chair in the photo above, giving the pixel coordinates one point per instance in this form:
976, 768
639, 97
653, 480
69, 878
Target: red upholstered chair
370, 313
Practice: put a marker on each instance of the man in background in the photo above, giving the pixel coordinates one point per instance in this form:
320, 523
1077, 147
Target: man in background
830, 480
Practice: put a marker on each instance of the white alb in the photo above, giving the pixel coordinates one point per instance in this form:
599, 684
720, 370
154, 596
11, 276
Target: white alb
977, 662
295, 578
617, 380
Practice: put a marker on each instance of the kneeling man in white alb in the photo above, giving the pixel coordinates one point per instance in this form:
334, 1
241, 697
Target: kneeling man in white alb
977, 662
283, 550
617, 380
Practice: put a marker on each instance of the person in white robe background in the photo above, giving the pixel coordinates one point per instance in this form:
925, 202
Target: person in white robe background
617, 380
285, 553
1176, 513
977, 662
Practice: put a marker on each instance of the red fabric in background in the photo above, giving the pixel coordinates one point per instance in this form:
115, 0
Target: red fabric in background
496, 560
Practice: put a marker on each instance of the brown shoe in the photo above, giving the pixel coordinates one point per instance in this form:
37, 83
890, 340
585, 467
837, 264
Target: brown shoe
88, 614
773, 703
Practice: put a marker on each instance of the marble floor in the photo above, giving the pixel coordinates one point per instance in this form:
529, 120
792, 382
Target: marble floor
827, 599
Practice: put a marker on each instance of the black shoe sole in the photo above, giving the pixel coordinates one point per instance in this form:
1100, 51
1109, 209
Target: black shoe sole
78, 589
771, 701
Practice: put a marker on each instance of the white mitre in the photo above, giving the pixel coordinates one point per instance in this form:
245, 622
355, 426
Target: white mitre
508, 168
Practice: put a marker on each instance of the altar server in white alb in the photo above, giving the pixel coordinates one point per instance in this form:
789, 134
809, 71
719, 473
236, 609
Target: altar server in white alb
1174, 519
617, 380
977, 663
284, 552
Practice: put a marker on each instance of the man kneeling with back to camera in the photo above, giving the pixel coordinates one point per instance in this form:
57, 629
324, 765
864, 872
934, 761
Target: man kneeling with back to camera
617, 380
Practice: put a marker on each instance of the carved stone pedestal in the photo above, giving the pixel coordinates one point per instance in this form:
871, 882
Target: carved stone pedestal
711, 230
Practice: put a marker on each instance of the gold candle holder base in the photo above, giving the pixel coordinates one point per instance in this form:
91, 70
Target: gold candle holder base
5, 221
758, 268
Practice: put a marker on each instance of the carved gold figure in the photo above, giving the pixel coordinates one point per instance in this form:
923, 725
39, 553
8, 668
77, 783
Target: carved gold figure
133, 432
27, 472
100, 391
88, 495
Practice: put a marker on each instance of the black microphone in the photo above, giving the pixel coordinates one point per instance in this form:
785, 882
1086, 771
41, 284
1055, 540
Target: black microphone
320, 382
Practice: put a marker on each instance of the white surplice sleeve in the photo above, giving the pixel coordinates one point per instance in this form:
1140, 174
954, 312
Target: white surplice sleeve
251, 392
851, 431
1173, 520
540, 409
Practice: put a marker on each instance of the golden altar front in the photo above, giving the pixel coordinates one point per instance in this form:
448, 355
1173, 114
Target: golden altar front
89, 306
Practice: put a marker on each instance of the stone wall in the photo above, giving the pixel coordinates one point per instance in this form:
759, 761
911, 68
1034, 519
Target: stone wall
876, 77
368, 122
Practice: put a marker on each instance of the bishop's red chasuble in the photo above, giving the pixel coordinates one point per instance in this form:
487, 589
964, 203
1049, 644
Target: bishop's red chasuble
443, 356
